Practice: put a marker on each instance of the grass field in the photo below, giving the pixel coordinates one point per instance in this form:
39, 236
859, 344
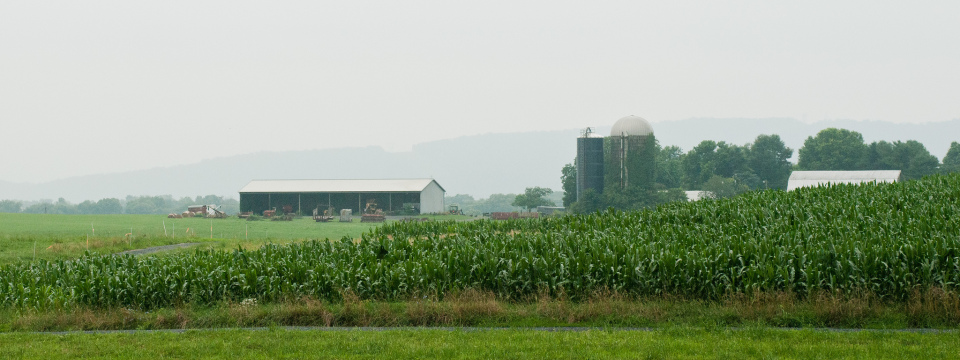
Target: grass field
42, 236
672, 343
72, 226
68, 236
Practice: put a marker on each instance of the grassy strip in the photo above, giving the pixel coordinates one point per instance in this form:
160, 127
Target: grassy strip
674, 343
933, 309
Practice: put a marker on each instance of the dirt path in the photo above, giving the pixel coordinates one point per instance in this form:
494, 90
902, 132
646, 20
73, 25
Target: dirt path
154, 249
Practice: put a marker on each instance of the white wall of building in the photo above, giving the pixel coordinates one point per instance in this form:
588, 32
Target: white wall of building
431, 199
799, 179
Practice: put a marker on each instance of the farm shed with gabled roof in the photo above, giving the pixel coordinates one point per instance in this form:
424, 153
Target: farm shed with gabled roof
800, 179
303, 196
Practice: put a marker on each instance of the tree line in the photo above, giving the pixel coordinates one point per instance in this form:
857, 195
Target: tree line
725, 169
164, 204
531, 198
841, 149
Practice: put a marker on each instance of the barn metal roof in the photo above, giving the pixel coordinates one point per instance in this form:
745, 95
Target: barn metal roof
815, 178
337, 185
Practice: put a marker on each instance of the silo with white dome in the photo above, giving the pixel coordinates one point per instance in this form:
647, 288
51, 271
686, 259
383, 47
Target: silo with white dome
626, 159
631, 161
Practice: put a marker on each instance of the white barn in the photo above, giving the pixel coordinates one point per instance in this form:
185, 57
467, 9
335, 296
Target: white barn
800, 179
305, 195
698, 195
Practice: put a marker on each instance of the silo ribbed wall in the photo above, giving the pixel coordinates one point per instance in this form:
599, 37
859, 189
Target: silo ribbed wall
589, 165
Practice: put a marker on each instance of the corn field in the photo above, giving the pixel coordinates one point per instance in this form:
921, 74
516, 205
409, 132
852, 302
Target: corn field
887, 239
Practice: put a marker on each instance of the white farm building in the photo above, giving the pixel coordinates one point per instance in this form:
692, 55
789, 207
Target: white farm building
696, 195
303, 196
800, 179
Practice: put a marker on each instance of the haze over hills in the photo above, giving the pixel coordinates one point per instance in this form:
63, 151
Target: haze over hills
478, 165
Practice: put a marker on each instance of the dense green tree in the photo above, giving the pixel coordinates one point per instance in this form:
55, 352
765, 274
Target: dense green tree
749, 180
145, 205
207, 200
471, 206
698, 164
951, 162
768, 158
590, 202
711, 158
721, 187
62, 206
460, 199
910, 157
533, 197
667, 196
43, 207
568, 177
876, 156
625, 199
141, 207
730, 159
109, 206
670, 167
496, 202
833, 149
134, 205
10, 206
230, 206
87, 207
103, 206
916, 159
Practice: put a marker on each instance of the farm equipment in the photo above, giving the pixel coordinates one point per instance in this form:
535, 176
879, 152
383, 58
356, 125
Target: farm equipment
325, 216
214, 212
455, 209
208, 211
371, 213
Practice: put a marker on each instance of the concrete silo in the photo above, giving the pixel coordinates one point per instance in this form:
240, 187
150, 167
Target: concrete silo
631, 154
589, 162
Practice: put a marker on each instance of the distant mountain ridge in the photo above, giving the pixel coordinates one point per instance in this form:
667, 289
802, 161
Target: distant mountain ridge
478, 165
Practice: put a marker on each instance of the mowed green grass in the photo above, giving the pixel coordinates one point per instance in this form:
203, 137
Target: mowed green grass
42, 236
159, 225
676, 343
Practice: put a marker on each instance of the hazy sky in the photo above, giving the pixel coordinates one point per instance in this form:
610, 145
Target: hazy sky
104, 86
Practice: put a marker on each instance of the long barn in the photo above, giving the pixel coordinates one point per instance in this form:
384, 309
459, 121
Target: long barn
800, 179
423, 195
